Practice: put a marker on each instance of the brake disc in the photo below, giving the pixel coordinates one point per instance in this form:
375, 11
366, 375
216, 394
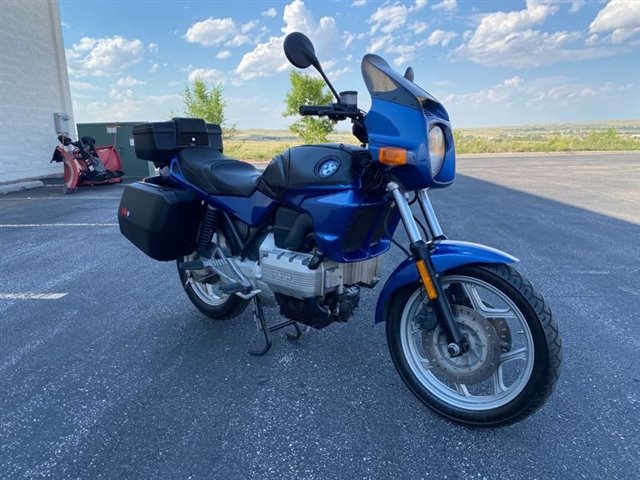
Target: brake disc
481, 359
504, 333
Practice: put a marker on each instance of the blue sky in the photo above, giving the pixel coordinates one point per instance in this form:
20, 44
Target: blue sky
491, 63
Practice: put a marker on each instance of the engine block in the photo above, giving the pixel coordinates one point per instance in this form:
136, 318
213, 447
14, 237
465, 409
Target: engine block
287, 272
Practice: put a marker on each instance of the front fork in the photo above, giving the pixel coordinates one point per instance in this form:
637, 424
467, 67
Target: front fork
421, 251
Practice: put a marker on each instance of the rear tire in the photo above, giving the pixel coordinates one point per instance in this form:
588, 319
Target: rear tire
511, 329
207, 297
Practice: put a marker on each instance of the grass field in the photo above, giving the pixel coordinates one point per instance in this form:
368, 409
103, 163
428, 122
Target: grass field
257, 145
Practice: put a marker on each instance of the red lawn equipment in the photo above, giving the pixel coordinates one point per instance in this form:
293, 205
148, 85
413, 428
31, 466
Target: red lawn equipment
87, 164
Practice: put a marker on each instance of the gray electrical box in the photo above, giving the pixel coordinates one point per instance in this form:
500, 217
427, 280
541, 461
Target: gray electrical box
61, 122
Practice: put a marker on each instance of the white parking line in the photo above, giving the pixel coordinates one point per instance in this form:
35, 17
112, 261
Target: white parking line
31, 296
18, 225
13, 199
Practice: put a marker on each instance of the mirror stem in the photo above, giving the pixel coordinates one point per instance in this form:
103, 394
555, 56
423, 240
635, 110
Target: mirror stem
333, 90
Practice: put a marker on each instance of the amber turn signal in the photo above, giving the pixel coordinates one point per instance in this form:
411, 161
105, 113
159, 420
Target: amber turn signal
426, 280
392, 156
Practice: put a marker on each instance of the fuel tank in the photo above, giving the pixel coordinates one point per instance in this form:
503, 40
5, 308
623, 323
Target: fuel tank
316, 166
348, 206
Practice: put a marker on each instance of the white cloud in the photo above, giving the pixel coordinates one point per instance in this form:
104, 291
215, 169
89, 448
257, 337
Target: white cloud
267, 58
440, 37
271, 12
500, 93
247, 27
541, 100
264, 60
576, 6
138, 108
153, 47
359, 3
119, 94
154, 68
210, 75
103, 56
83, 86
403, 52
620, 19
513, 81
335, 74
129, 82
237, 41
379, 43
448, 5
507, 38
65, 24
546, 94
389, 18
223, 54
418, 27
348, 38
223, 31
211, 32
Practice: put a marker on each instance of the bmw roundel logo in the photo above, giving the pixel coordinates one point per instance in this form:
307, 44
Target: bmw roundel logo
328, 167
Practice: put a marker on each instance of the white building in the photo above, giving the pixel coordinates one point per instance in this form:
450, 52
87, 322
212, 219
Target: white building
34, 84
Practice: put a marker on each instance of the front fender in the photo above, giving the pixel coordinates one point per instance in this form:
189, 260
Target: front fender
448, 254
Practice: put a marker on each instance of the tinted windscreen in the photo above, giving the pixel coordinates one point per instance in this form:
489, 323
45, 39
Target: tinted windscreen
384, 82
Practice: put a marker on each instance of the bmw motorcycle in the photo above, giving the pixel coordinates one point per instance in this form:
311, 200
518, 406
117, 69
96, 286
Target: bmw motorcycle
468, 334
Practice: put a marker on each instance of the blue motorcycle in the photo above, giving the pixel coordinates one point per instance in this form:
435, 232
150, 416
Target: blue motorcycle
468, 334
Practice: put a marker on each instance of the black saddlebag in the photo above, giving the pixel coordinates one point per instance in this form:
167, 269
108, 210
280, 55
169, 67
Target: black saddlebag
158, 142
160, 220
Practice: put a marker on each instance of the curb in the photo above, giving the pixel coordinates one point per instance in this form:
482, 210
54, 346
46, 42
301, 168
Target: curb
18, 186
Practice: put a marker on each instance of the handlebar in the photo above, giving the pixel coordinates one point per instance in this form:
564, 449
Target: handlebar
315, 110
337, 112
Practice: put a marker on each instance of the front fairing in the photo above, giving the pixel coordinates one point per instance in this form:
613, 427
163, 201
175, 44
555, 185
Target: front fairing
401, 114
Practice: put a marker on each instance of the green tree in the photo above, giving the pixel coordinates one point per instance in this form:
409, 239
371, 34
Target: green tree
306, 90
207, 103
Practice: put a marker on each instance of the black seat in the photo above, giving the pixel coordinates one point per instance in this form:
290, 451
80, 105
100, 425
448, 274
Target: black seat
212, 172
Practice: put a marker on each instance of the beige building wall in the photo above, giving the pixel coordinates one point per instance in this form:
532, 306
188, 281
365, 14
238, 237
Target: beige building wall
34, 84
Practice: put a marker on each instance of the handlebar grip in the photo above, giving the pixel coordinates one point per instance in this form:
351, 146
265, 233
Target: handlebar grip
315, 110
308, 110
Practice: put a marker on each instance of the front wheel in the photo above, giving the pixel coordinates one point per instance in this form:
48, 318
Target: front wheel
515, 351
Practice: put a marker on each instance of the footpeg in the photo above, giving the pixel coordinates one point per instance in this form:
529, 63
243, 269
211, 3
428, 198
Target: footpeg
234, 288
192, 265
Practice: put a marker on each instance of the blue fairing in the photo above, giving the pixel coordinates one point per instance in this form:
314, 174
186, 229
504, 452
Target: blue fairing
252, 210
348, 226
448, 254
391, 124
401, 115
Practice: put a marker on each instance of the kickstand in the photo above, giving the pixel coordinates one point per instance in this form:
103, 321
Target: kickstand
265, 329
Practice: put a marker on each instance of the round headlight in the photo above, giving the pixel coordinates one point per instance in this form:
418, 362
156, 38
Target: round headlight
436, 149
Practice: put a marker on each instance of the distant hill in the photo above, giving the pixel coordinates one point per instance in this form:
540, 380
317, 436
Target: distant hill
553, 137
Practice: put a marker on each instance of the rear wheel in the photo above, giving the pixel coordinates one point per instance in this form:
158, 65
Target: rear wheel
204, 291
514, 357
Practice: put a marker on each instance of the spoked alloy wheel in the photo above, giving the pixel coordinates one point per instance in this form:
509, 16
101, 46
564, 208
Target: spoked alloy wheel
515, 350
205, 292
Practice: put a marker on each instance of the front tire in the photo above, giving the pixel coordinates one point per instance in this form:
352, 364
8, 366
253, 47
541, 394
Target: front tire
515, 355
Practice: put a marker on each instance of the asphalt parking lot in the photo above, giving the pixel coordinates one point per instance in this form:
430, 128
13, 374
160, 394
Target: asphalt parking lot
119, 376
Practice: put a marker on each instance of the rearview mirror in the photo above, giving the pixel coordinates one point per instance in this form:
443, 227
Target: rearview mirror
299, 50
408, 74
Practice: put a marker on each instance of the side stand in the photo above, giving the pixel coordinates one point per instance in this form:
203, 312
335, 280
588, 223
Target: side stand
266, 330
